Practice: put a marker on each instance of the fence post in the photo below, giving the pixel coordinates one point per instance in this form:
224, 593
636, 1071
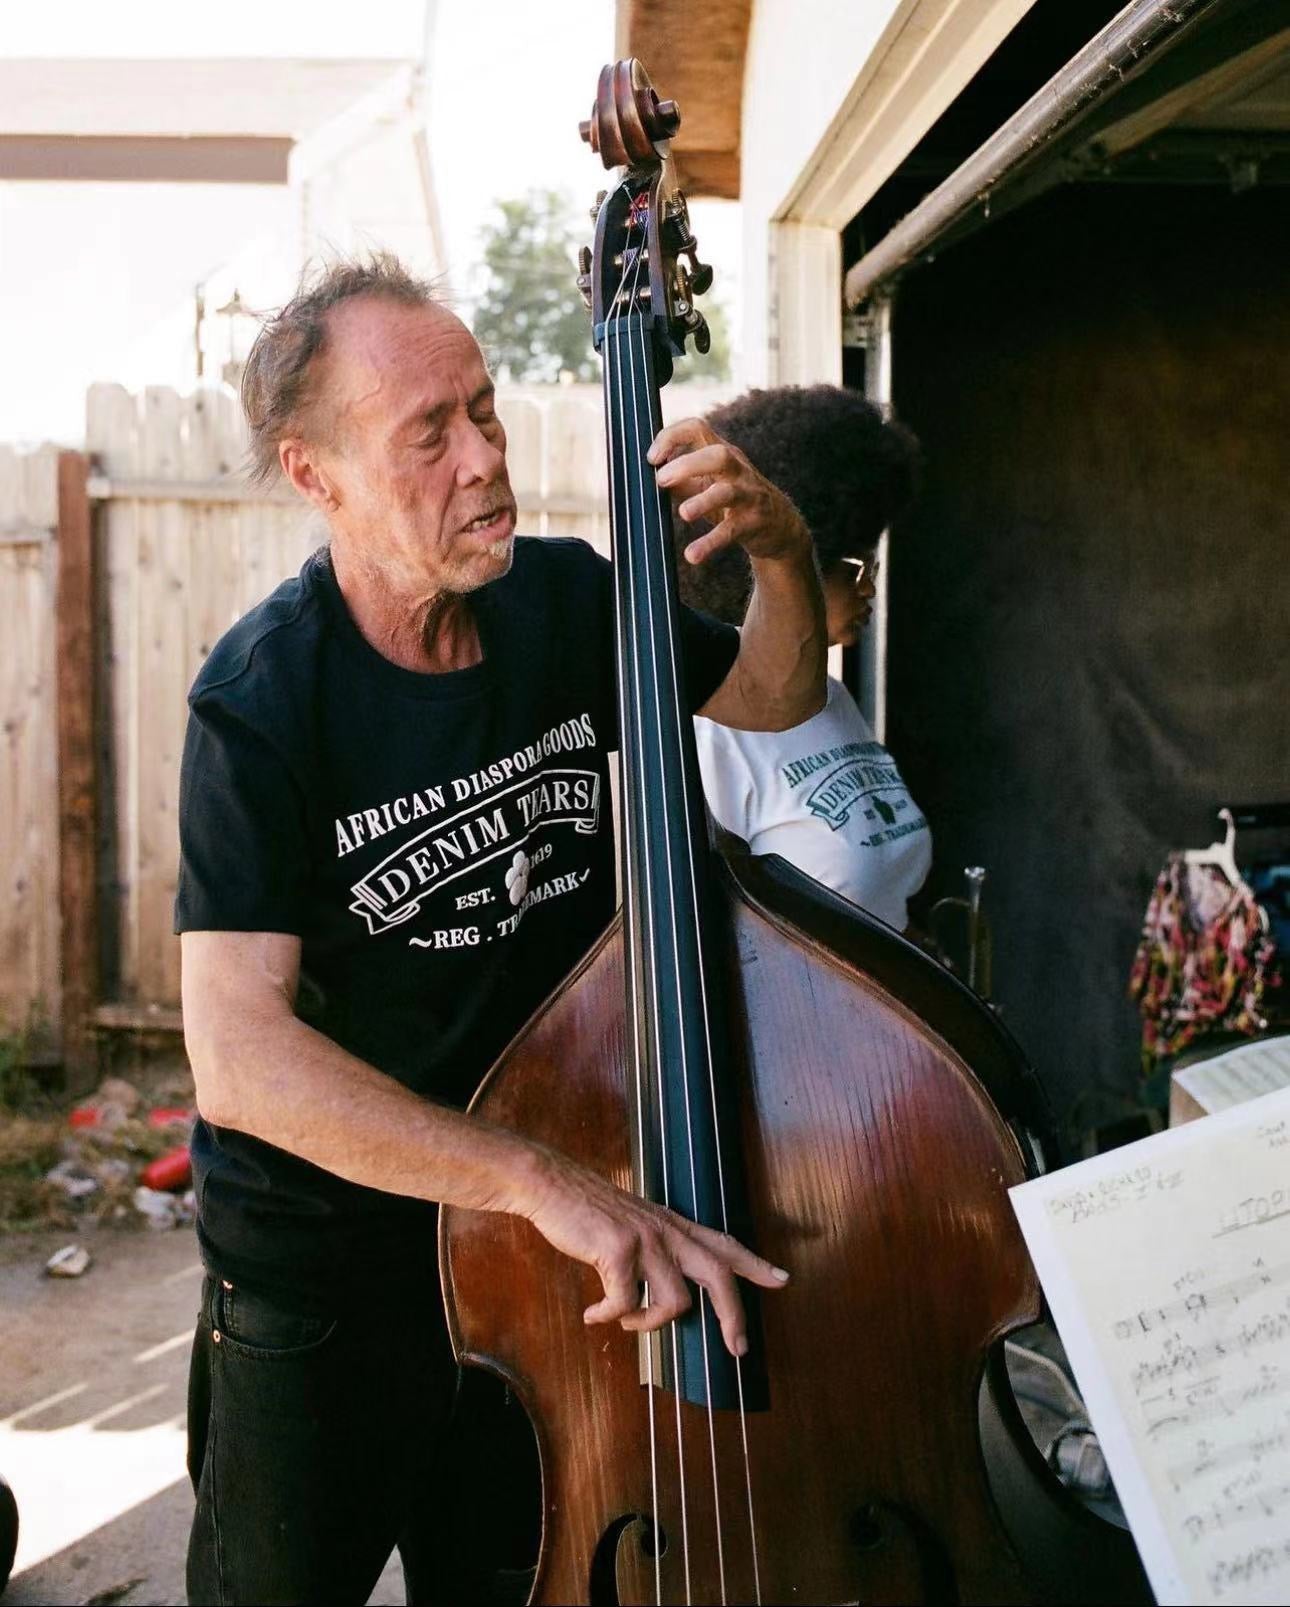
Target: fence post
77, 775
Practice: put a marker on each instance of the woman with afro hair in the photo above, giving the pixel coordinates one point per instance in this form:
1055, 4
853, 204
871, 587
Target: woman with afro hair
824, 795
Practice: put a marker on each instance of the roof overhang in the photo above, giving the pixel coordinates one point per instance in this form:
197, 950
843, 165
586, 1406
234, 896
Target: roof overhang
230, 121
146, 158
695, 58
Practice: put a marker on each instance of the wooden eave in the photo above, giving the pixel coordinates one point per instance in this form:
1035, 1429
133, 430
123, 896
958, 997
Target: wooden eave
696, 58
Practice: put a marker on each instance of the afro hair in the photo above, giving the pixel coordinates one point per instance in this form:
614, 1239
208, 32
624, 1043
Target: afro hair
849, 469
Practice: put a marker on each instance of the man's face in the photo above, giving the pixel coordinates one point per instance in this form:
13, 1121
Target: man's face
413, 452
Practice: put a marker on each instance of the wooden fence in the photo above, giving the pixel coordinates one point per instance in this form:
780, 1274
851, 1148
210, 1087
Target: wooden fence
181, 547
30, 991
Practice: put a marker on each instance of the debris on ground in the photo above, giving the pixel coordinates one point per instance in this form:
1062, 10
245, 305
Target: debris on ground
171, 1116
73, 1179
69, 1262
115, 1101
173, 1170
89, 1163
162, 1210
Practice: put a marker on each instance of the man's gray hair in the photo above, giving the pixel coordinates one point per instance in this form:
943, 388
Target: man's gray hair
277, 395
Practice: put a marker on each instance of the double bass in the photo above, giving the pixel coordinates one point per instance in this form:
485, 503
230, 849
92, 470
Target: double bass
760, 1056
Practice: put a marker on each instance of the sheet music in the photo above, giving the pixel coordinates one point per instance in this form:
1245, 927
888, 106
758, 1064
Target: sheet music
1240, 1074
1167, 1267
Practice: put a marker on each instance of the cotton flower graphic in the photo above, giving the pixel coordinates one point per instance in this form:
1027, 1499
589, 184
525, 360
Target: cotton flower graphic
517, 878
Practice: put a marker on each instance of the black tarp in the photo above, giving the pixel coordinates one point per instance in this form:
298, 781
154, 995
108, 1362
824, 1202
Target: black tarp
1090, 610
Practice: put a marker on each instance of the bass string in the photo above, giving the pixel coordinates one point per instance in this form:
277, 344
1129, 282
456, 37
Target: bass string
628, 810
617, 317
628, 782
688, 816
640, 558
665, 694
646, 906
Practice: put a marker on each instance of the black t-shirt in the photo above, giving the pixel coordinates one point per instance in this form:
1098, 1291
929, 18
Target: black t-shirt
441, 844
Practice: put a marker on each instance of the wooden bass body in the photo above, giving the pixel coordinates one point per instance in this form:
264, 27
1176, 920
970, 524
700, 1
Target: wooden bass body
881, 1106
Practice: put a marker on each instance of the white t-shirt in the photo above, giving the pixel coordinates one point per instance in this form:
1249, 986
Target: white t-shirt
828, 798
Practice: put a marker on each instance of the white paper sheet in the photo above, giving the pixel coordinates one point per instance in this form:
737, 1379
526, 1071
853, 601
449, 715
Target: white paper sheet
1167, 1267
1240, 1074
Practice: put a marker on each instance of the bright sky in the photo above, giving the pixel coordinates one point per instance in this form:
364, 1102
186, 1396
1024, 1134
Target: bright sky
87, 270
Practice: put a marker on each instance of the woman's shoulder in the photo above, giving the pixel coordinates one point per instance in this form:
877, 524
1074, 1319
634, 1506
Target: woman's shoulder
842, 707
839, 721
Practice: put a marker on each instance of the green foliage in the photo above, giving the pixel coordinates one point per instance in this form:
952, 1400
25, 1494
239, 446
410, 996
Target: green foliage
529, 317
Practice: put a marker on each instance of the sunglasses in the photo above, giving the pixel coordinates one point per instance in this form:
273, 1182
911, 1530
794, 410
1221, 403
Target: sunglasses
865, 569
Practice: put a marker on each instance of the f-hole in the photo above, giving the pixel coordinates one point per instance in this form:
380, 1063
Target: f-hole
879, 1525
632, 1529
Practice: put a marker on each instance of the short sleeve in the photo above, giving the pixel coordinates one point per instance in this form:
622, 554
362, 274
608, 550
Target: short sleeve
708, 647
727, 778
243, 858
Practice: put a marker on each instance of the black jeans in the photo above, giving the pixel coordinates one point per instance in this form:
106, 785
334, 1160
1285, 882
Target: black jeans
316, 1445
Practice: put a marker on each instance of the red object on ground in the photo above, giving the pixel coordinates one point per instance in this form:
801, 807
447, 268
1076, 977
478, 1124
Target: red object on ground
169, 1116
85, 1116
173, 1170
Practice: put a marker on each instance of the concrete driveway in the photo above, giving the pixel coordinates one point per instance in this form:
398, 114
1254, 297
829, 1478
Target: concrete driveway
92, 1387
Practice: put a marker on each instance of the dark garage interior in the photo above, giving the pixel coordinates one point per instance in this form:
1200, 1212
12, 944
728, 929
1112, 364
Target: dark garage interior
1089, 604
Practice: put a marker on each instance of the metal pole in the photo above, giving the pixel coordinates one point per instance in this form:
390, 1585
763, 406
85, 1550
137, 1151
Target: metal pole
1130, 43
872, 651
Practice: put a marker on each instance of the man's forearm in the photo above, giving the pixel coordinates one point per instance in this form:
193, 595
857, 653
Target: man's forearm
282, 1082
260, 1070
778, 680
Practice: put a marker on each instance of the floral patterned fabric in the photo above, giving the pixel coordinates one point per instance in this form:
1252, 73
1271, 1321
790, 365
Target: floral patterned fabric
1206, 962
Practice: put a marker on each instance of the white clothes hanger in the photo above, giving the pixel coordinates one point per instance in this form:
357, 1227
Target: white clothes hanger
1220, 854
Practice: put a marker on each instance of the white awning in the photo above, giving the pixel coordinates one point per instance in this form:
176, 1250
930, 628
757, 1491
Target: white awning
208, 121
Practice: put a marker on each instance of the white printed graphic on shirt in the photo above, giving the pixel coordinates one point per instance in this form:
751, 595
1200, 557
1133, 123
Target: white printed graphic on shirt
392, 893
517, 878
864, 776
517, 886
500, 824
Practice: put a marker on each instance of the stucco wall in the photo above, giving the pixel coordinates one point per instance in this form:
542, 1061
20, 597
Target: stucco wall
803, 57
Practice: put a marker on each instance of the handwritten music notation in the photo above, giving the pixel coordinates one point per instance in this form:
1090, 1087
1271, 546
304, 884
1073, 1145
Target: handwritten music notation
1197, 1302
1167, 1267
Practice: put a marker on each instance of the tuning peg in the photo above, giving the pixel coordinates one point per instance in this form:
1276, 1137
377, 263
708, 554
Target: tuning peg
696, 325
584, 274
599, 202
700, 276
684, 244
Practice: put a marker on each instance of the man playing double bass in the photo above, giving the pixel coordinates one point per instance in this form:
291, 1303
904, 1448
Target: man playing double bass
395, 843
